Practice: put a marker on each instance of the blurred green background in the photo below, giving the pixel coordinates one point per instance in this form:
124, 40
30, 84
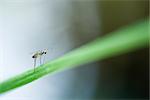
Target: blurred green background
125, 76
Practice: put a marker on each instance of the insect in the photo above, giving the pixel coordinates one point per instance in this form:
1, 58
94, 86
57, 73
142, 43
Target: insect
39, 55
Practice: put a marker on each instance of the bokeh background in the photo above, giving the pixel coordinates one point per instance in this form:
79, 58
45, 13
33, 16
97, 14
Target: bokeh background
60, 26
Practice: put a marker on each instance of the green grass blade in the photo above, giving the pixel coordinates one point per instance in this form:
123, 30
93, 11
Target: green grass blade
119, 42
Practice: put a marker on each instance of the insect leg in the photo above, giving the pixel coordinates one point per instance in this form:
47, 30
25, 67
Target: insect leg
34, 64
43, 59
40, 60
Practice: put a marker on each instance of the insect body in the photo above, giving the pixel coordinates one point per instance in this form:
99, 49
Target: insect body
38, 54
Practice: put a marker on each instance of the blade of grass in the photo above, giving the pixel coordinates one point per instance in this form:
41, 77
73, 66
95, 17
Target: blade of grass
119, 42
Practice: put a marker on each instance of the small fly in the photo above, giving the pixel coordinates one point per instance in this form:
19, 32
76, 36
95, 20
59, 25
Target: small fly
39, 55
